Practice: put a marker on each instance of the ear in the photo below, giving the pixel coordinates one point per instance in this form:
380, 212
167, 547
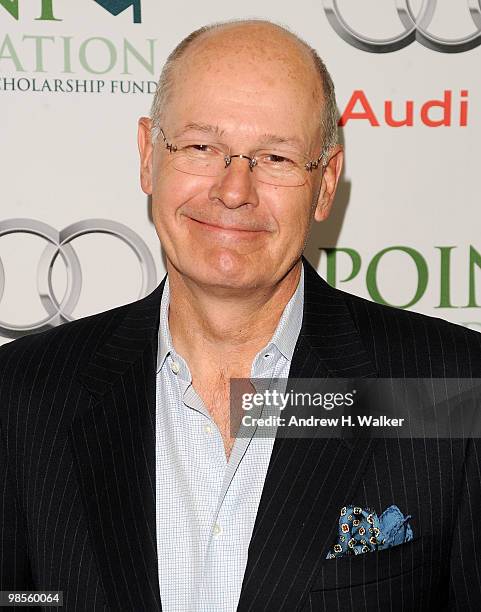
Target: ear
329, 182
144, 141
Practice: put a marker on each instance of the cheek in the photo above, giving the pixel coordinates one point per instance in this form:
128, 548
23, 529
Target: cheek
292, 214
171, 190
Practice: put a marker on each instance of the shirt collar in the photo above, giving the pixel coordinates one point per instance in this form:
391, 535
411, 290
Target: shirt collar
165, 345
289, 326
284, 338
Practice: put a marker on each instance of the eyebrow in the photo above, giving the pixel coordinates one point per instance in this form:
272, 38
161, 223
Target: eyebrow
204, 128
271, 139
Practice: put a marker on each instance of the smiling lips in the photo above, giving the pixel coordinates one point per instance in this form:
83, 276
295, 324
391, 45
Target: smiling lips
227, 228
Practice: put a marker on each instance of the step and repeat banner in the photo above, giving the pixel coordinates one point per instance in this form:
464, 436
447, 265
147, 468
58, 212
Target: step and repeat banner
76, 235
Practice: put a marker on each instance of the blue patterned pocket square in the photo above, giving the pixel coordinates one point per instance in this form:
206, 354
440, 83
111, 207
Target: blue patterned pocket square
362, 531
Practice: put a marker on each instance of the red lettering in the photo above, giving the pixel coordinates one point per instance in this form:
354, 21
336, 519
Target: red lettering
463, 113
408, 120
445, 105
366, 113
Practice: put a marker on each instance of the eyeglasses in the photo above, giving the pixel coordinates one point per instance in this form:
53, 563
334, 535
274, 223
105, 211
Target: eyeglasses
273, 167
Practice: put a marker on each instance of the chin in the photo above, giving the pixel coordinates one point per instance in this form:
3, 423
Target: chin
227, 271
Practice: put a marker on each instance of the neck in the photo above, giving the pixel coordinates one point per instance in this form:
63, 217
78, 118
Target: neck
225, 331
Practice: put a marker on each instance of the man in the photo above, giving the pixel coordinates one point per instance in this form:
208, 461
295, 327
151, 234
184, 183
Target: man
122, 484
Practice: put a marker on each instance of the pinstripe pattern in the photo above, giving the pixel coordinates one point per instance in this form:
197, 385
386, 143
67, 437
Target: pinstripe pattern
77, 469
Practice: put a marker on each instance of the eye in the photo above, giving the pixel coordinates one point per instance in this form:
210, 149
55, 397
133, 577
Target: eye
197, 149
276, 159
200, 147
200, 150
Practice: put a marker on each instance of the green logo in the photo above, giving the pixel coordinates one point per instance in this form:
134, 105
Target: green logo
443, 272
114, 7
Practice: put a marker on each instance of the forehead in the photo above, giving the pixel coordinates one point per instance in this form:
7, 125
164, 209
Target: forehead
252, 80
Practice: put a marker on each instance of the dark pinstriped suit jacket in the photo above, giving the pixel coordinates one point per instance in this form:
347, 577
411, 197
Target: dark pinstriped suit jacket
77, 469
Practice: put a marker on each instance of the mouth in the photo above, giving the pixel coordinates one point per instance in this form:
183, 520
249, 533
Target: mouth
229, 229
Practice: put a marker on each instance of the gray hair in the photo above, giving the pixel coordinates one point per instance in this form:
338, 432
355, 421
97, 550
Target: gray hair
329, 114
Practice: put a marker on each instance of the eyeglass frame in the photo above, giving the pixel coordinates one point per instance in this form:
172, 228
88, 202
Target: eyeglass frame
309, 166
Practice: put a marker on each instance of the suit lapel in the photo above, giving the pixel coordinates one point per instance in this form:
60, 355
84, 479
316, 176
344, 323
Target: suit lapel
308, 481
113, 443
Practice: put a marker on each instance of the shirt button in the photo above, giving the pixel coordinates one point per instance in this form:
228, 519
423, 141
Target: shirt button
175, 367
208, 429
217, 529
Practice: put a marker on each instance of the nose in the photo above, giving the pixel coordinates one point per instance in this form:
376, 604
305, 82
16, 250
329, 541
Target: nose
236, 185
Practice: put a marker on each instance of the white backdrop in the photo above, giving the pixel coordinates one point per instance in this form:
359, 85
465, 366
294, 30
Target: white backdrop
68, 149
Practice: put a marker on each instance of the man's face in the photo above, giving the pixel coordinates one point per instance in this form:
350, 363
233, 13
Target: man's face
233, 231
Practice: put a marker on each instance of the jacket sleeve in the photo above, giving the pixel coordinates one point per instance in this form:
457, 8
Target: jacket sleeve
15, 570
465, 561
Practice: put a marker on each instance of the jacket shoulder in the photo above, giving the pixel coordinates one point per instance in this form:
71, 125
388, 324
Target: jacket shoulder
57, 352
406, 343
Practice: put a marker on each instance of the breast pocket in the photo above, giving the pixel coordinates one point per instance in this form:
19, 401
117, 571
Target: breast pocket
401, 578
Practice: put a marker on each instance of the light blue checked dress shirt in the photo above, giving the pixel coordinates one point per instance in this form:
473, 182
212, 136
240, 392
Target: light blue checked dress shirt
206, 506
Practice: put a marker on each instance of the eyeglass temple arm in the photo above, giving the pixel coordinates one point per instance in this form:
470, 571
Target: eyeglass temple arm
314, 164
170, 147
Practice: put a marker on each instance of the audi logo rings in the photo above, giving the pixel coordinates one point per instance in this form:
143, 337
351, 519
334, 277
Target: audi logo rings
415, 28
58, 243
